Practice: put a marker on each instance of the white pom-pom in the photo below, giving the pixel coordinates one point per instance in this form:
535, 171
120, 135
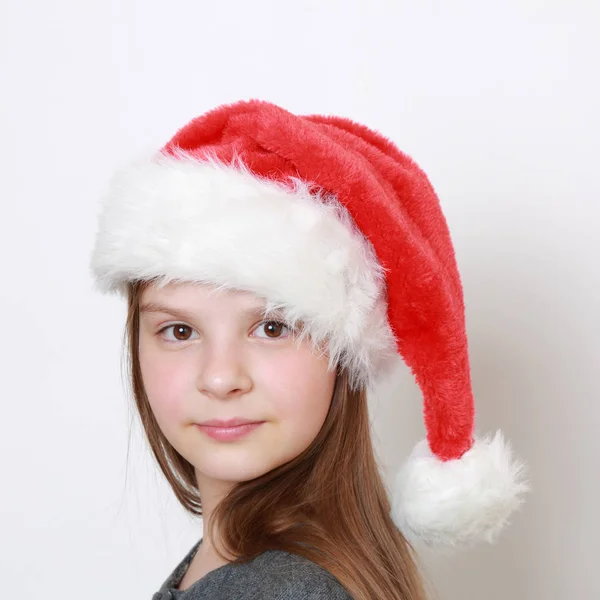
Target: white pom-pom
458, 502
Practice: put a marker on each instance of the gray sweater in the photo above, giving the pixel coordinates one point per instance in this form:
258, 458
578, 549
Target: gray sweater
272, 575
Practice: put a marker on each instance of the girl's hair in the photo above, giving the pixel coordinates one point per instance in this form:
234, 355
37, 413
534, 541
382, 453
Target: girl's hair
329, 504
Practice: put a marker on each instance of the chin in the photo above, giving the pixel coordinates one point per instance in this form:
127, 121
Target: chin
233, 468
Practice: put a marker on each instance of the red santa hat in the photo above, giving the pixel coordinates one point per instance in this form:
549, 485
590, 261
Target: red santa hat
334, 226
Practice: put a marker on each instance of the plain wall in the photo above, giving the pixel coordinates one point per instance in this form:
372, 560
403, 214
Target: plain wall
498, 102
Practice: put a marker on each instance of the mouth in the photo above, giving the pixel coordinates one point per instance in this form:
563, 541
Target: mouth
229, 422
229, 433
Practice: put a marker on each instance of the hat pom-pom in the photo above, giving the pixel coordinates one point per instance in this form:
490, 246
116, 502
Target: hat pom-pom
458, 502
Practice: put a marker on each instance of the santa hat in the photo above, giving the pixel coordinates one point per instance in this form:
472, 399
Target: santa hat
334, 226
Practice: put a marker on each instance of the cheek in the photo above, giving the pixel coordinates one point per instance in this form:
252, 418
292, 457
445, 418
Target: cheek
165, 382
300, 389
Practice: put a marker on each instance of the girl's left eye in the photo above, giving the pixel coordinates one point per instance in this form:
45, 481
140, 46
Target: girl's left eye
182, 332
273, 327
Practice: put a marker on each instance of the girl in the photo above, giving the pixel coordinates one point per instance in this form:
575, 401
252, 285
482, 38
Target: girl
275, 266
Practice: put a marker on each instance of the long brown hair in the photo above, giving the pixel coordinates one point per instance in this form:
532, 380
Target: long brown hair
329, 504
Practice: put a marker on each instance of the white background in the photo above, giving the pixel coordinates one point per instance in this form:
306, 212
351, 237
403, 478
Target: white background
497, 101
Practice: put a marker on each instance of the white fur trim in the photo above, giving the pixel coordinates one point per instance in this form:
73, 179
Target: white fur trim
180, 218
458, 502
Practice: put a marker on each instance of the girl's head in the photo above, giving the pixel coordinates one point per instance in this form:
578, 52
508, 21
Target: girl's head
307, 480
207, 353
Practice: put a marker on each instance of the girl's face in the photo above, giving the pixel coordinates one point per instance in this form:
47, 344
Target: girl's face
209, 356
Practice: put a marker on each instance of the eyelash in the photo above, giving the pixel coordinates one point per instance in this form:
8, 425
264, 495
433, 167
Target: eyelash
163, 329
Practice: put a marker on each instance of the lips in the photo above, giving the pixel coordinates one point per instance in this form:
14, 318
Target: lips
229, 434
235, 422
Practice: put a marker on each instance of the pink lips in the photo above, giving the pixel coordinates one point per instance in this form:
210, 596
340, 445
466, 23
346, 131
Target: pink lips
228, 430
228, 422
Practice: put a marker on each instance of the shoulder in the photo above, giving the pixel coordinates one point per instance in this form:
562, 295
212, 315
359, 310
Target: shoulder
279, 575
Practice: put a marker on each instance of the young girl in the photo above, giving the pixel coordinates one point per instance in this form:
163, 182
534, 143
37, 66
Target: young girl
275, 266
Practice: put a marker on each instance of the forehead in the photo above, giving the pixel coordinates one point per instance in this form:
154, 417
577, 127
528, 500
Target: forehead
197, 295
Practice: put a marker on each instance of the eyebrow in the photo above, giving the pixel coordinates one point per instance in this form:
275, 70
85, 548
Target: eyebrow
157, 307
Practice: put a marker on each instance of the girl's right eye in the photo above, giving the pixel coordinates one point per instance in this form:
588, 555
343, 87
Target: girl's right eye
180, 331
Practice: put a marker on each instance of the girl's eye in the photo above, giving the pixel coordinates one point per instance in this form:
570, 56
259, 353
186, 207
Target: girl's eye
181, 332
273, 328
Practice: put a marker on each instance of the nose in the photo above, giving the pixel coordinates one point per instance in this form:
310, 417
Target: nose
222, 373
